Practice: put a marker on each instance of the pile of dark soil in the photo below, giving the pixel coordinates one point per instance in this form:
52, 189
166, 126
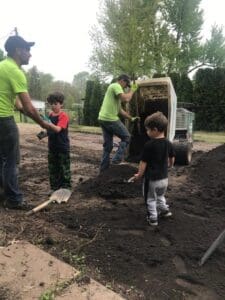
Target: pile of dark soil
168, 256
112, 184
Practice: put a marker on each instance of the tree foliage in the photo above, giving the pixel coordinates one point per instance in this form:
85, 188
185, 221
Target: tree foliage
95, 91
147, 36
34, 83
79, 83
95, 102
46, 81
209, 99
87, 101
119, 41
214, 48
1, 55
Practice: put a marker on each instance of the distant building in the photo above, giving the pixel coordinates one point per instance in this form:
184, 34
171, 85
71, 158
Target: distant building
39, 105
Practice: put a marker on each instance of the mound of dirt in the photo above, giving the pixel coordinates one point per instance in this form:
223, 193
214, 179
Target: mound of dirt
209, 174
112, 183
198, 206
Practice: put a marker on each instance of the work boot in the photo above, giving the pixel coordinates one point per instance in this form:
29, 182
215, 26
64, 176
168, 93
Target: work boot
16, 205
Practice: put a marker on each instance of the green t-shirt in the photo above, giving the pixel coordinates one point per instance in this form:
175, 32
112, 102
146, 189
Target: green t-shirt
12, 82
111, 103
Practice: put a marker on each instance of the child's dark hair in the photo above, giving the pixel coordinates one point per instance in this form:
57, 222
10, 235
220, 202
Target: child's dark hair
55, 97
157, 120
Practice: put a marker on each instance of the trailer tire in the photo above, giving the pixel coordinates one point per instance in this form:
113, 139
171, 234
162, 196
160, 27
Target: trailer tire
183, 153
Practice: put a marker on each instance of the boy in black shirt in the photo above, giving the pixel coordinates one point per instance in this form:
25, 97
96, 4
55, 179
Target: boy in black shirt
157, 155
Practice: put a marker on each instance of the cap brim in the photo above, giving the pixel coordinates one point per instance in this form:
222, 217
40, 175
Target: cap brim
30, 44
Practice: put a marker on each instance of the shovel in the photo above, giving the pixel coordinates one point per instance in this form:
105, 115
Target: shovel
130, 180
59, 196
218, 241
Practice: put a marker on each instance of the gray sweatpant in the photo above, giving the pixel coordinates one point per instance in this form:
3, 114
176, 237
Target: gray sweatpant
154, 193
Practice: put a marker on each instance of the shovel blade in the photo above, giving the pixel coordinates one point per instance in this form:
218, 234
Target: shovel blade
61, 195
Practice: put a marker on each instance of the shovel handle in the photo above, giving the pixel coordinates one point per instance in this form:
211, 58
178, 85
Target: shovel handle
131, 179
39, 207
218, 241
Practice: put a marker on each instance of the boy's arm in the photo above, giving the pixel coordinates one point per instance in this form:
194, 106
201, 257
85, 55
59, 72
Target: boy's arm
141, 170
62, 124
55, 128
171, 161
171, 158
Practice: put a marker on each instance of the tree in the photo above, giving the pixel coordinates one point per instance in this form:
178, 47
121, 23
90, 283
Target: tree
214, 48
209, 99
184, 20
46, 81
33, 78
147, 36
95, 102
119, 41
1, 55
87, 101
185, 89
79, 83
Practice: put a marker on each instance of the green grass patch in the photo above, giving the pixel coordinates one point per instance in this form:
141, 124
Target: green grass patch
209, 137
86, 129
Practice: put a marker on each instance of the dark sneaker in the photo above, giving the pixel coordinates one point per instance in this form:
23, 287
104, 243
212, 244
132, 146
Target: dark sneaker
165, 214
152, 222
16, 205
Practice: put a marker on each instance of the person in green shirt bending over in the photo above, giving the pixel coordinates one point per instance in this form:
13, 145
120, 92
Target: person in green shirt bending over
109, 119
14, 92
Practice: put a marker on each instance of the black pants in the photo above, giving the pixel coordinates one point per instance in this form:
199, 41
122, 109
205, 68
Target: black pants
9, 149
59, 170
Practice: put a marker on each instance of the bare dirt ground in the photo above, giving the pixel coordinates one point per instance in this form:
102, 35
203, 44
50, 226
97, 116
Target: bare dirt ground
102, 229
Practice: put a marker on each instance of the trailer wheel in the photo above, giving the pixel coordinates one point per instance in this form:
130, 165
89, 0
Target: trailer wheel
183, 153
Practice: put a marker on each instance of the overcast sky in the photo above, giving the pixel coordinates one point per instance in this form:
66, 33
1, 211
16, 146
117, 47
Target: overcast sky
60, 30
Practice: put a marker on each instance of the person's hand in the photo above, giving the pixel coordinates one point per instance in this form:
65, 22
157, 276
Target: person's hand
45, 118
42, 134
136, 177
46, 125
133, 119
134, 87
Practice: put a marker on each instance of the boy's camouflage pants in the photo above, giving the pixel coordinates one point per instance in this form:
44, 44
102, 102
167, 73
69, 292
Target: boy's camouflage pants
59, 170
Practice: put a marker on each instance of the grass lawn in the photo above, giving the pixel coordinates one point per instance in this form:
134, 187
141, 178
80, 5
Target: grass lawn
209, 137
200, 136
86, 129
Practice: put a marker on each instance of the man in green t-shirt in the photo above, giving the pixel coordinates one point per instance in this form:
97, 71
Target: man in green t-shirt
13, 92
110, 122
